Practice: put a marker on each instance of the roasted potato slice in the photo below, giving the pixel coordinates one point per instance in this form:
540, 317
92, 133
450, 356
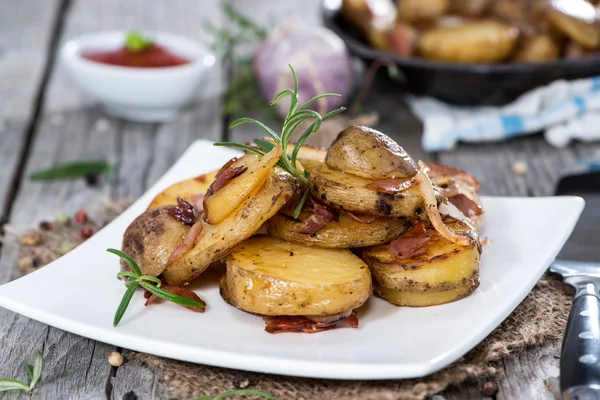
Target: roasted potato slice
443, 265
421, 10
151, 238
424, 299
577, 19
343, 234
374, 18
476, 42
218, 204
539, 48
368, 153
185, 189
269, 276
349, 192
217, 240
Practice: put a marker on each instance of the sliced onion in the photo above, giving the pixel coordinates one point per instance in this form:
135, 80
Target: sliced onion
433, 213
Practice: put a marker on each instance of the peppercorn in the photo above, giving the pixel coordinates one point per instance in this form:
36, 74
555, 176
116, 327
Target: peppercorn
45, 225
86, 232
81, 217
115, 359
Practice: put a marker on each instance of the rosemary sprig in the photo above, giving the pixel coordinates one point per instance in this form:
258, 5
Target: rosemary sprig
34, 371
240, 392
296, 115
73, 170
150, 283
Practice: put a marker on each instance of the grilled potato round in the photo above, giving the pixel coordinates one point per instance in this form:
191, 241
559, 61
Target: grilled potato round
221, 203
151, 238
349, 192
419, 10
217, 240
442, 267
582, 27
370, 154
424, 299
269, 276
185, 189
473, 42
344, 233
539, 48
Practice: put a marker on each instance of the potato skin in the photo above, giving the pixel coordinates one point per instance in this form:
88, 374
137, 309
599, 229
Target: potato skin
368, 153
151, 238
349, 192
421, 10
216, 241
475, 42
184, 189
269, 276
342, 234
444, 266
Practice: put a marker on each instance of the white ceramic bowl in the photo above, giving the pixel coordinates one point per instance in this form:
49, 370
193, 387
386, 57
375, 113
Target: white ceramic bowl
140, 94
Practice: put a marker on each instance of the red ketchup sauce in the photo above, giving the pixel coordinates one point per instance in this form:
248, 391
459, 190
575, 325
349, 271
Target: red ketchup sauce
155, 56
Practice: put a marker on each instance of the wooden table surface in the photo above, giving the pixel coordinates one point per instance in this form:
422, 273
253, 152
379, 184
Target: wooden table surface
44, 120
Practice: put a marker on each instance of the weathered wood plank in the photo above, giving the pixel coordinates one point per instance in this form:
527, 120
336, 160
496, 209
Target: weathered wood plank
71, 128
25, 31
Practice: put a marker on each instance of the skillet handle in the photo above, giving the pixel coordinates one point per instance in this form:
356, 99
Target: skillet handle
580, 358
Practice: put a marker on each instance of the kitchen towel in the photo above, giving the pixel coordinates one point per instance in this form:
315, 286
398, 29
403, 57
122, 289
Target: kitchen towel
564, 110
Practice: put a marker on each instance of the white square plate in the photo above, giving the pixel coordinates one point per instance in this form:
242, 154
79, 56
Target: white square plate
80, 293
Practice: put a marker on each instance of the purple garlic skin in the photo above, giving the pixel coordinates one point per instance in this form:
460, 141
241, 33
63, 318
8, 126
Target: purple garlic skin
318, 56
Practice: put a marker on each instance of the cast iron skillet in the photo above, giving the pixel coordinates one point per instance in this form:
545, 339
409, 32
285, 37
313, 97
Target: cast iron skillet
462, 84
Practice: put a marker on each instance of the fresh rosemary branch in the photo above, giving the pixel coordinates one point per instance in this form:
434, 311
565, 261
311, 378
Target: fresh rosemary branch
150, 283
34, 371
240, 392
73, 170
296, 115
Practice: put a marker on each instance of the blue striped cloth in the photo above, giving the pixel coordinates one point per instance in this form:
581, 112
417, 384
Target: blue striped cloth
564, 110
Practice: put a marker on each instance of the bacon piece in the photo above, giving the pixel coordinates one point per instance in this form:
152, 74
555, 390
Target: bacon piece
187, 243
198, 202
363, 219
390, 186
281, 324
183, 212
319, 218
466, 205
181, 291
225, 174
410, 244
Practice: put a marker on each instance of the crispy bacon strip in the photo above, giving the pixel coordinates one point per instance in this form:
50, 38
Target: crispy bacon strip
281, 324
183, 212
390, 186
364, 219
320, 216
188, 241
225, 174
466, 205
180, 291
410, 244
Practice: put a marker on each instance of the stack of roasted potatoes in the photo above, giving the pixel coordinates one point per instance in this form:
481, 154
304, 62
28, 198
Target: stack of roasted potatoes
305, 256
478, 31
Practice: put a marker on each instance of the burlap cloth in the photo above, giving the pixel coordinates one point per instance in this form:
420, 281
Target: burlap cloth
540, 317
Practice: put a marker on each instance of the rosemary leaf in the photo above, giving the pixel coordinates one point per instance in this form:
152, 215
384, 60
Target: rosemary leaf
38, 361
298, 208
262, 126
72, 170
127, 259
172, 297
125, 302
12, 384
151, 279
29, 369
265, 145
309, 102
239, 146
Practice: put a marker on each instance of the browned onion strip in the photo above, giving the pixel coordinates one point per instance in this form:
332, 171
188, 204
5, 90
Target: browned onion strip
433, 213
